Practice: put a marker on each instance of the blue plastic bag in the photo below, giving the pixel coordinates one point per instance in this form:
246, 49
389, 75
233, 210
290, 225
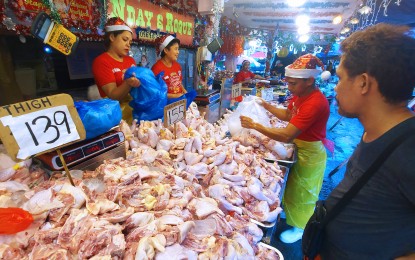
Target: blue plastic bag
99, 116
189, 96
150, 98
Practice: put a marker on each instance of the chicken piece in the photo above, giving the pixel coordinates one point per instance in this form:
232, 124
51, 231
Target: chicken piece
78, 194
57, 213
8, 252
176, 251
75, 230
240, 239
164, 144
228, 168
50, 251
117, 216
198, 169
192, 158
204, 207
278, 148
153, 138
184, 229
138, 219
255, 188
42, 201
261, 211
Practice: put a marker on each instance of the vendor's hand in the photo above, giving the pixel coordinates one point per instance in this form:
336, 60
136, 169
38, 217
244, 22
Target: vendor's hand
247, 122
133, 81
261, 101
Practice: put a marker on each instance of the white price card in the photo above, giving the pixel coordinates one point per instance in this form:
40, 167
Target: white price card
267, 94
41, 130
39, 125
236, 90
174, 112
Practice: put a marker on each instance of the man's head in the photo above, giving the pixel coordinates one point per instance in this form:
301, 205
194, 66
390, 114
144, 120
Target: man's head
300, 75
377, 63
386, 53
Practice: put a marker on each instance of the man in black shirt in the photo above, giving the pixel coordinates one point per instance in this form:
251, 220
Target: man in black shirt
376, 78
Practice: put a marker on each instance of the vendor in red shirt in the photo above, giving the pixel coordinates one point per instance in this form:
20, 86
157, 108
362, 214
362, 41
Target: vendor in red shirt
245, 76
109, 67
169, 52
307, 114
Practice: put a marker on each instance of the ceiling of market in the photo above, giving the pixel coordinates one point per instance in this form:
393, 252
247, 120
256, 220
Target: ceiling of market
278, 15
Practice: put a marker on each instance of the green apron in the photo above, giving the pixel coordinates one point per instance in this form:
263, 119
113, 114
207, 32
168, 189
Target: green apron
127, 111
304, 182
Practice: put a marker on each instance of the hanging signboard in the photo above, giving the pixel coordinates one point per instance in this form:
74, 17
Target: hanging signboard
75, 10
236, 90
146, 15
40, 125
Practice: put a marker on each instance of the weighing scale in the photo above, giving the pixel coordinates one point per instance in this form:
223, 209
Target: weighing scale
87, 154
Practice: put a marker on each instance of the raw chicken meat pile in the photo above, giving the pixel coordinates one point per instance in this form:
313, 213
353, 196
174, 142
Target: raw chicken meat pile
189, 196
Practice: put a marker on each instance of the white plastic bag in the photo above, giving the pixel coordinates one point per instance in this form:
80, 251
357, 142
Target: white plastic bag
248, 107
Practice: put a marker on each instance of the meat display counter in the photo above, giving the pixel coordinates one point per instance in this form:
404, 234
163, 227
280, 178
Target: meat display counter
208, 102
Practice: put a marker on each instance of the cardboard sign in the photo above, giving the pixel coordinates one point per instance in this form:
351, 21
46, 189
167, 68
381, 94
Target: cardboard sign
267, 94
236, 90
174, 112
40, 125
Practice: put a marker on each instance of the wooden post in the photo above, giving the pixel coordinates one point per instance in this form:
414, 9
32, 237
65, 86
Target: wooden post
65, 166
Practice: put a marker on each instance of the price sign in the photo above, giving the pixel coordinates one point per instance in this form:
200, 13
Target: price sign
39, 125
236, 90
174, 112
61, 39
267, 94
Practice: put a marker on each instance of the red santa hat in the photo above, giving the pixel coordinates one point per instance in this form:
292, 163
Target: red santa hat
304, 67
116, 24
163, 41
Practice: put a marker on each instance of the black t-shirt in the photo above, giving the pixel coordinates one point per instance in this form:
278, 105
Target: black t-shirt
379, 223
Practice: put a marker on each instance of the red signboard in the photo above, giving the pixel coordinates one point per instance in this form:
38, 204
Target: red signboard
145, 15
73, 9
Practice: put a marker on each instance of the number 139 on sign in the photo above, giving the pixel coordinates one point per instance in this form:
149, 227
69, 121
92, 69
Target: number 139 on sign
42, 130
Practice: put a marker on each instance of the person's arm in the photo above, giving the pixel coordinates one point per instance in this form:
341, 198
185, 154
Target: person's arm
285, 135
411, 256
169, 96
282, 113
119, 93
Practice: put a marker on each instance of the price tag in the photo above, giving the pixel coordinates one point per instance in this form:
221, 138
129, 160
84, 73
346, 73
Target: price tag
174, 112
236, 90
61, 39
267, 94
39, 125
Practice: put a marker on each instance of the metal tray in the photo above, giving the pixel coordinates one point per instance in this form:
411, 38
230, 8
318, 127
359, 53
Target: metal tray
273, 249
288, 162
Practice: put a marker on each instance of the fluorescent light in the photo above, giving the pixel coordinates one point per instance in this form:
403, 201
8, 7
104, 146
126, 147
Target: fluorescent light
303, 29
304, 38
338, 19
302, 20
295, 3
365, 10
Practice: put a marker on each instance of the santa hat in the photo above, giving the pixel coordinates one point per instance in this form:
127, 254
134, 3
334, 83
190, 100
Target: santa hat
163, 41
304, 67
116, 24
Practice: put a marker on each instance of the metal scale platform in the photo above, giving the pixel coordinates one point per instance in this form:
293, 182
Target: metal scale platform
87, 154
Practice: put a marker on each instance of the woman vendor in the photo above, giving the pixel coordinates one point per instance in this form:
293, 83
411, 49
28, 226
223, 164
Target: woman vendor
245, 76
109, 67
307, 114
168, 50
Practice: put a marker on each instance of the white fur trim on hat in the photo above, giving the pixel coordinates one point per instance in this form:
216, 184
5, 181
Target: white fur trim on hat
165, 43
301, 73
118, 27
